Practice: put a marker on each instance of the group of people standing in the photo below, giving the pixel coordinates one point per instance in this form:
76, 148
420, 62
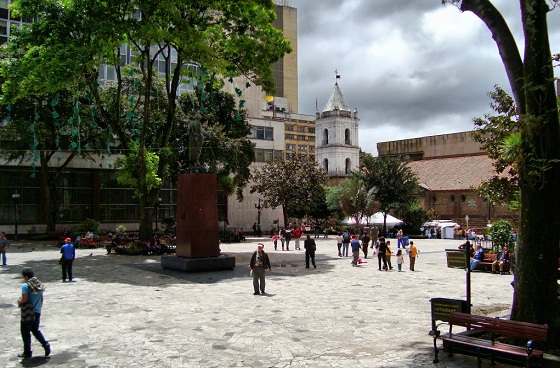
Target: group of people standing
381, 246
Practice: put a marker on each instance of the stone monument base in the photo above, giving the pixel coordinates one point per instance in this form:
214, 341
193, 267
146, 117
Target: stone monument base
221, 262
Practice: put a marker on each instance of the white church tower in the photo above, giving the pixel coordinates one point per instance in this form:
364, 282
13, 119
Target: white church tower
336, 131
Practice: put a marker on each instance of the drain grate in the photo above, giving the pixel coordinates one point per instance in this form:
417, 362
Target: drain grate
6, 306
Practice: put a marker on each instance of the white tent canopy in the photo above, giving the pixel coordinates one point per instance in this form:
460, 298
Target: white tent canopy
375, 219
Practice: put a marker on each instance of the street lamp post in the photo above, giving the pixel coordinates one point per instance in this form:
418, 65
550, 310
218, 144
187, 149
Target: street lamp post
259, 208
15, 198
158, 202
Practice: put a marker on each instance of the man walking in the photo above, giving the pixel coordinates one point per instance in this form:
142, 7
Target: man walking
258, 265
310, 248
30, 303
68, 256
345, 242
355, 250
4, 245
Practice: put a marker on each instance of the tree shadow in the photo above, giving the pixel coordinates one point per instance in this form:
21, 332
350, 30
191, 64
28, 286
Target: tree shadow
147, 270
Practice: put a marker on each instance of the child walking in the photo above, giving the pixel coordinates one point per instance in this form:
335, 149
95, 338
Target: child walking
275, 240
400, 260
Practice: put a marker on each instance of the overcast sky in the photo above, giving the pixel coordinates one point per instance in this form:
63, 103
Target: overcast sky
412, 68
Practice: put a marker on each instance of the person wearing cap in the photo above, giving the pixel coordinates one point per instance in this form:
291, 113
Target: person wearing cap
258, 265
68, 256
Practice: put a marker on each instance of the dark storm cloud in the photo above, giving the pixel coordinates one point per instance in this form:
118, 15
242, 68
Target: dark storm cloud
410, 67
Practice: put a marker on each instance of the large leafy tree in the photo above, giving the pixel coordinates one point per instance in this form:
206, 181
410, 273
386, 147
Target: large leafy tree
395, 183
532, 82
49, 131
174, 39
294, 184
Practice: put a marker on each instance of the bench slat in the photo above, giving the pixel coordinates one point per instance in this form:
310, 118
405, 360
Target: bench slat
530, 331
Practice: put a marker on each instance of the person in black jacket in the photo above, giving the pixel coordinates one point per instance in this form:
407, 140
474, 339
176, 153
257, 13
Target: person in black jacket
381, 253
258, 265
310, 247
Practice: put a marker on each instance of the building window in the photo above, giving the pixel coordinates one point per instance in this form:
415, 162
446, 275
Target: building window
289, 128
264, 133
325, 137
302, 149
311, 130
326, 165
347, 136
265, 155
289, 136
289, 147
347, 166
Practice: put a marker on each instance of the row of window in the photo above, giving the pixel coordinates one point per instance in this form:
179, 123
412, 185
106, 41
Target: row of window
300, 148
300, 129
300, 137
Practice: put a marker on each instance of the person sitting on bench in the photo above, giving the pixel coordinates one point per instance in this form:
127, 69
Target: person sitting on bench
499, 263
478, 256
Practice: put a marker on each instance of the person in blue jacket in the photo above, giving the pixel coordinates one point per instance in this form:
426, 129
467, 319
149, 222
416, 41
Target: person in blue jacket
68, 255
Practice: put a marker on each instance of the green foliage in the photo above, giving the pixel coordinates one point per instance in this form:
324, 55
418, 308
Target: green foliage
121, 229
502, 233
414, 215
395, 183
500, 138
129, 174
179, 41
356, 200
226, 151
305, 184
90, 225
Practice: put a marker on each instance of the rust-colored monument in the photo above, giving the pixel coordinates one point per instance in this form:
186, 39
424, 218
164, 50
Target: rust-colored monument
198, 244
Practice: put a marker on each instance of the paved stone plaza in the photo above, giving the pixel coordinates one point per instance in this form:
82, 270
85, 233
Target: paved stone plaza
127, 311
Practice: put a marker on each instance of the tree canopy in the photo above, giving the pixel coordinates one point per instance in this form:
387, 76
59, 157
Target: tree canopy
395, 183
294, 183
77, 43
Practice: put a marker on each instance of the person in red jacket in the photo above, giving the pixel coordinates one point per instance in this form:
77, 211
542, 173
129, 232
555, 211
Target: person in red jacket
297, 236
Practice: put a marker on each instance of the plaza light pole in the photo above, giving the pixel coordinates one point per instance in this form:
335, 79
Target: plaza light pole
259, 208
15, 198
158, 202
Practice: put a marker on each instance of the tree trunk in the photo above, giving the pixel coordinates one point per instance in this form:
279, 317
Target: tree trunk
50, 208
535, 296
538, 249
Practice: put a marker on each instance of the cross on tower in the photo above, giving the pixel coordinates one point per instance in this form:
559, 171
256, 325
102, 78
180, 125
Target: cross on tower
337, 76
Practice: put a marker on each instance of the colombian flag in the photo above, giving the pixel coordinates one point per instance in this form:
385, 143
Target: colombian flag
270, 101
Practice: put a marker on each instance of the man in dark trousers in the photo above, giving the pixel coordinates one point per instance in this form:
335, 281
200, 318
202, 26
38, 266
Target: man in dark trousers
68, 255
30, 303
258, 265
310, 248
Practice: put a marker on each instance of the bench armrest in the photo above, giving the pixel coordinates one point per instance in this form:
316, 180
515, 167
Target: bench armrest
529, 347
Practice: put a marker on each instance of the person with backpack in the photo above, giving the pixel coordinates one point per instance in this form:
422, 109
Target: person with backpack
30, 303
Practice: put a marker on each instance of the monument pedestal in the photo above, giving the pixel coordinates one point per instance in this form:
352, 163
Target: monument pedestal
198, 243
221, 262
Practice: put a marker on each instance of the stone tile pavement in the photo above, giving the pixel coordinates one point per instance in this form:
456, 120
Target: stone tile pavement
127, 311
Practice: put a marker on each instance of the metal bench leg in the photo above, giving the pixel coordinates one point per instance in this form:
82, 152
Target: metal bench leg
436, 350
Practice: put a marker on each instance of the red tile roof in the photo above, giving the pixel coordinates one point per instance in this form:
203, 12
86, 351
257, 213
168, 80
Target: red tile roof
453, 173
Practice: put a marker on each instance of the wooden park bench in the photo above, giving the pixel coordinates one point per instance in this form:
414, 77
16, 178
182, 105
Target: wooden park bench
486, 264
484, 338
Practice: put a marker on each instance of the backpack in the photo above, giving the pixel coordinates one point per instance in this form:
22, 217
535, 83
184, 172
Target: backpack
346, 238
